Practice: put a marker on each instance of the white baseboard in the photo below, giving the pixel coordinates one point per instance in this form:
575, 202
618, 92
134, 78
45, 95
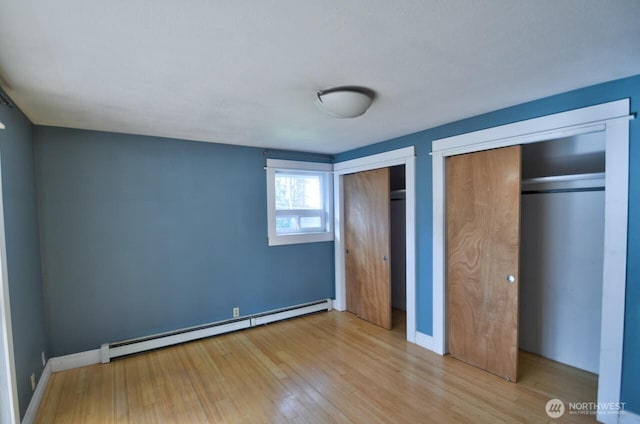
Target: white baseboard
280, 316
627, 417
426, 342
156, 341
91, 357
32, 410
75, 360
107, 352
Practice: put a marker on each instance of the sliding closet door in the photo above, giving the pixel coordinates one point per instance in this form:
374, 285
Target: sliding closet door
483, 237
367, 240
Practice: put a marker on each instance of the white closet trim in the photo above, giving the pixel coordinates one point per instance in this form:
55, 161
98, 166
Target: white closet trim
612, 118
404, 156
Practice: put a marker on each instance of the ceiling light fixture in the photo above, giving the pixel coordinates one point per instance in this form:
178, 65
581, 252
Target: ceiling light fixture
344, 102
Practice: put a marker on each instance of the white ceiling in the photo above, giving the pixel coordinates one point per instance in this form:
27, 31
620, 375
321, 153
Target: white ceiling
246, 72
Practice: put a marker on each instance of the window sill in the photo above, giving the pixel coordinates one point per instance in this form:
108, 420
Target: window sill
280, 240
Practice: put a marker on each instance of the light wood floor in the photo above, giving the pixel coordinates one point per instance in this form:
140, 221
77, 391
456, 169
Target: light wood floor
323, 368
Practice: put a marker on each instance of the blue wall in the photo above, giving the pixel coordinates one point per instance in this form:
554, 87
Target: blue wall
23, 249
142, 235
615, 90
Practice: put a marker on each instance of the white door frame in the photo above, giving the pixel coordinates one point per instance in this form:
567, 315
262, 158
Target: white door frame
406, 157
611, 118
6, 342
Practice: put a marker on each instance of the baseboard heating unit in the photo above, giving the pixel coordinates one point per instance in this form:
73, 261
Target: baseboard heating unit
109, 351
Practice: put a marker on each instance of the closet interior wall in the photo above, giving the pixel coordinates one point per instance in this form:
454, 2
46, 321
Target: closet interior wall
562, 239
398, 238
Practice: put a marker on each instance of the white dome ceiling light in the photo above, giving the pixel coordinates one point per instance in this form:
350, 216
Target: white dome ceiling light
344, 102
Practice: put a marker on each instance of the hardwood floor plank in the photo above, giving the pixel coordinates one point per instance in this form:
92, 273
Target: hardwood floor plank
323, 368
119, 388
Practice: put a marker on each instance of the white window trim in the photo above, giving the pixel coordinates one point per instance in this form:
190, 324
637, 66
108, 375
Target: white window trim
282, 239
613, 119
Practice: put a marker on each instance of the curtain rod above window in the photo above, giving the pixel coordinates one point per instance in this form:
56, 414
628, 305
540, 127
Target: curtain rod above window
298, 165
285, 154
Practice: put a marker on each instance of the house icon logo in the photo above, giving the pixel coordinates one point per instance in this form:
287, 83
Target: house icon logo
554, 408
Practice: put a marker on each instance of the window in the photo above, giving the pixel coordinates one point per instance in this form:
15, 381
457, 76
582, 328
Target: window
299, 202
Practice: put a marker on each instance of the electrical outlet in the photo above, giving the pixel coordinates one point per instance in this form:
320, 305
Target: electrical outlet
44, 360
33, 381
236, 312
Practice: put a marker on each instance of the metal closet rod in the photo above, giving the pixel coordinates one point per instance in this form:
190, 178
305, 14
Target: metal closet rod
589, 182
563, 178
562, 190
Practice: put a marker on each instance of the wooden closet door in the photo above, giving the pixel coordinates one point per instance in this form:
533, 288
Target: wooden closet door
367, 243
483, 250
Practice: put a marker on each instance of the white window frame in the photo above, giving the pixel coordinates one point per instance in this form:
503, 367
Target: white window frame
274, 165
